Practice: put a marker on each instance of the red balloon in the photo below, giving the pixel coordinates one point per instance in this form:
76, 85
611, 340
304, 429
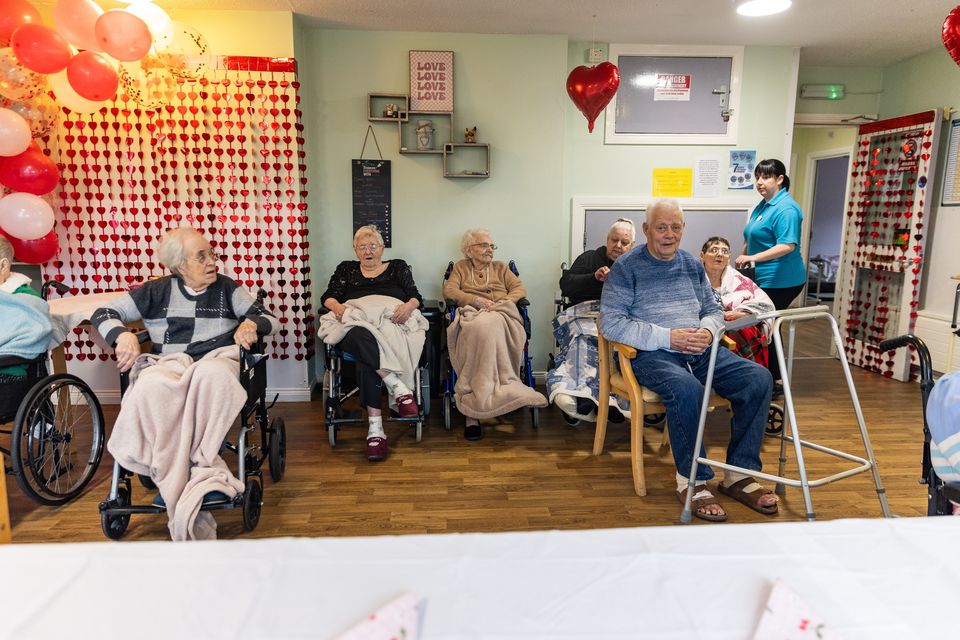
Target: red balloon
591, 88
40, 48
92, 76
14, 14
31, 171
36, 251
951, 34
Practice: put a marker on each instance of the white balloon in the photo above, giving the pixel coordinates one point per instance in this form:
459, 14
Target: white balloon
25, 216
67, 97
14, 133
156, 18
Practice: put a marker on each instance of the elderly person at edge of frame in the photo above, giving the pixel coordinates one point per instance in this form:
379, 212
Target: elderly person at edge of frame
487, 335
572, 383
658, 300
186, 392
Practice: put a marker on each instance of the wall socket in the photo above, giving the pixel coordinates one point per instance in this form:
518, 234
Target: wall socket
594, 55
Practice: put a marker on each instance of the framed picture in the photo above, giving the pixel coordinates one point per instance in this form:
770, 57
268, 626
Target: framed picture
431, 80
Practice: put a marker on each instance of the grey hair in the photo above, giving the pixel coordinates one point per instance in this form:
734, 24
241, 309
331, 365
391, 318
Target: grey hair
625, 224
468, 238
663, 203
170, 250
369, 229
6, 250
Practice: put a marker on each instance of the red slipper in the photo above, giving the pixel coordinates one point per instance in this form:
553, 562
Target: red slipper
377, 448
407, 406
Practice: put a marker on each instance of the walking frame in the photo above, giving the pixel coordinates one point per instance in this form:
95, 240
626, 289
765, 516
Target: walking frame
791, 317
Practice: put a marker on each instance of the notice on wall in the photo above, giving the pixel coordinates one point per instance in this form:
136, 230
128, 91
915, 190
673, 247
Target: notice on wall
431, 80
951, 173
672, 86
371, 196
672, 183
706, 178
740, 168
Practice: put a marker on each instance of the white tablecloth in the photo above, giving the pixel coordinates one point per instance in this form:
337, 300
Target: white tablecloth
867, 578
67, 313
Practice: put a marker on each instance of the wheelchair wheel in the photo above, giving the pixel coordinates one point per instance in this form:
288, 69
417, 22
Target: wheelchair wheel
535, 417
252, 496
57, 439
447, 411
774, 420
325, 390
114, 526
278, 449
655, 420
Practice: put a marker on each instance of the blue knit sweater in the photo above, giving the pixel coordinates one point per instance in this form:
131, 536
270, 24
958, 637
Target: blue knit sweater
644, 298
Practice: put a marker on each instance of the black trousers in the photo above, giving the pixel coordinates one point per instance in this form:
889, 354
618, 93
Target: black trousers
781, 297
361, 344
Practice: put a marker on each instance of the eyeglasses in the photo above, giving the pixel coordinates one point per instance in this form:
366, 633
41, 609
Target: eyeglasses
206, 256
663, 228
718, 251
485, 246
367, 247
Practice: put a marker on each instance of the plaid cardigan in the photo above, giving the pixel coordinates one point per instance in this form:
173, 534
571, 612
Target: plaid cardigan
181, 322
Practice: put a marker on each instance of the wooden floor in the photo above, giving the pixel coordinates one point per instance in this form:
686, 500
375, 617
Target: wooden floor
519, 478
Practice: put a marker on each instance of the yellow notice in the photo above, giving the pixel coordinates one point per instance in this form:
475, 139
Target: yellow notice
673, 183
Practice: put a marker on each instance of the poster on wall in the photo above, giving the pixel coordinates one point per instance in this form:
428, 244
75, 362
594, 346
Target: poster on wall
431, 80
740, 168
672, 86
371, 196
950, 195
672, 182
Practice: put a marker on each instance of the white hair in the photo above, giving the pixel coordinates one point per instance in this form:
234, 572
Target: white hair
623, 223
663, 204
6, 250
170, 250
469, 236
369, 229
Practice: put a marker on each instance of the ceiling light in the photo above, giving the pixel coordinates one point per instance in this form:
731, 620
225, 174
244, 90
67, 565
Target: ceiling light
761, 7
822, 91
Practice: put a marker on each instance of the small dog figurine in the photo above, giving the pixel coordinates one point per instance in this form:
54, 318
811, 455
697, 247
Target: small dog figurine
470, 135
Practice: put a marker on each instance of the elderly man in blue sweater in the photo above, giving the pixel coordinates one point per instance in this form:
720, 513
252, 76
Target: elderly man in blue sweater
657, 299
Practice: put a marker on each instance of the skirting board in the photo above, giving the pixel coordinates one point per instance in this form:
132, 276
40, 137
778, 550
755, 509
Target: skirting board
935, 332
112, 396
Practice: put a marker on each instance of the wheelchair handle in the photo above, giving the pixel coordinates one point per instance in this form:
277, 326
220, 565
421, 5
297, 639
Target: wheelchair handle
923, 353
59, 287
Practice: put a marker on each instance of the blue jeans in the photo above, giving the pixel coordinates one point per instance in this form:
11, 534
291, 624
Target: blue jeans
678, 379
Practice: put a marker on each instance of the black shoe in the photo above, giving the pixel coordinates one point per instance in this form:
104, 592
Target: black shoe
473, 432
585, 406
777, 389
615, 416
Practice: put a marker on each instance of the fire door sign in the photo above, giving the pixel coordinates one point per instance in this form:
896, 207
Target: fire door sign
672, 86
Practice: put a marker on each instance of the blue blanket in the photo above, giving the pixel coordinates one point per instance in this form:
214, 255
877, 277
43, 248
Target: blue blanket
26, 329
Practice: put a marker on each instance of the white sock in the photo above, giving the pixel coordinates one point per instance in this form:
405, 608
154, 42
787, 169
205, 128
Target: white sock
682, 483
395, 384
376, 427
733, 477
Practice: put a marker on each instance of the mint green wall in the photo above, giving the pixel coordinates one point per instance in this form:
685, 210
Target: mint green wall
510, 87
863, 87
920, 83
593, 168
807, 140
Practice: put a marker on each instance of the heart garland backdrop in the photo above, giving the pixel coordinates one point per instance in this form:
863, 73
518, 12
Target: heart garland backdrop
224, 154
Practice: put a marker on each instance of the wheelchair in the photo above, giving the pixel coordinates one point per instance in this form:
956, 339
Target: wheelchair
939, 493
339, 366
116, 510
450, 376
56, 436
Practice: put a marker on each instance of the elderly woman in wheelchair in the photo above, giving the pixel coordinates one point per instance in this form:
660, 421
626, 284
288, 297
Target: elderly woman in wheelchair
56, 424
487, 336
572, 382
374, 317
187, 392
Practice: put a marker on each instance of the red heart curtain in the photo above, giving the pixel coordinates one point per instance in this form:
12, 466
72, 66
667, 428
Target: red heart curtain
223, 154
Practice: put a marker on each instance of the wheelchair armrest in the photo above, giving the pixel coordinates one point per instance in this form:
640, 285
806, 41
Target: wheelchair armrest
628, 352
446, 274
523, 302
12, 361
59, 287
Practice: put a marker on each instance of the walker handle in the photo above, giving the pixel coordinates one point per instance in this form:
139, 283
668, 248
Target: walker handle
742, 323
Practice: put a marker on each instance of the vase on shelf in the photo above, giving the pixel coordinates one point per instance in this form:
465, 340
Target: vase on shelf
425, 135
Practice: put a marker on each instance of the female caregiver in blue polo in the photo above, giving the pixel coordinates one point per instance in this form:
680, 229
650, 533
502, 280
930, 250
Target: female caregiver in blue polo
772, 241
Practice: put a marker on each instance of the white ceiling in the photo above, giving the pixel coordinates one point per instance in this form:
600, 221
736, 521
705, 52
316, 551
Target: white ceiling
830, 32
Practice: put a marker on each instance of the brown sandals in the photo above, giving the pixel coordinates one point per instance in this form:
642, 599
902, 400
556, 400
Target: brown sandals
696, 504
750, 499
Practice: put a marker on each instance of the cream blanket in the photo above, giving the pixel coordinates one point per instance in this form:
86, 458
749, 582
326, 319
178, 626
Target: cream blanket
171, 426
485, 349
400, 344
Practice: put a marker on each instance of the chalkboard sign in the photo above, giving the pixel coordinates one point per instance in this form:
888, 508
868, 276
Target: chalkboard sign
371, 196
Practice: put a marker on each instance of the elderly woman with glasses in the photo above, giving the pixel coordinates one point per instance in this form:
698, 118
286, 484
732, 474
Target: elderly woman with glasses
359, 295
487, 336
572, 382
739, 296
186, 392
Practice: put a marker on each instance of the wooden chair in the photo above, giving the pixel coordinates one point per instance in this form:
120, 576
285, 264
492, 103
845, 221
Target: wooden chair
4, 506
643, 402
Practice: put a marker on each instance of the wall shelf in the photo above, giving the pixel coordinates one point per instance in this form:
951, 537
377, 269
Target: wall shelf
466, 160
377, 107
442, 123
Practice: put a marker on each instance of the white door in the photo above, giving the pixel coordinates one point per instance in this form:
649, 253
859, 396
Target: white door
886, 223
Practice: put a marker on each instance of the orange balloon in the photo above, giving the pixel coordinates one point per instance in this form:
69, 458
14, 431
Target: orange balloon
92, 76
14, 14
40, 48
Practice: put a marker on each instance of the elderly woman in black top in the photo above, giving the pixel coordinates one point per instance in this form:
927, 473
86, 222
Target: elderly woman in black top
370, 275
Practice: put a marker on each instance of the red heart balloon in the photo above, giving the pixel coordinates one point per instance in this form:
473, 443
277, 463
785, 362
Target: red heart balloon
591, 88
951, 34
